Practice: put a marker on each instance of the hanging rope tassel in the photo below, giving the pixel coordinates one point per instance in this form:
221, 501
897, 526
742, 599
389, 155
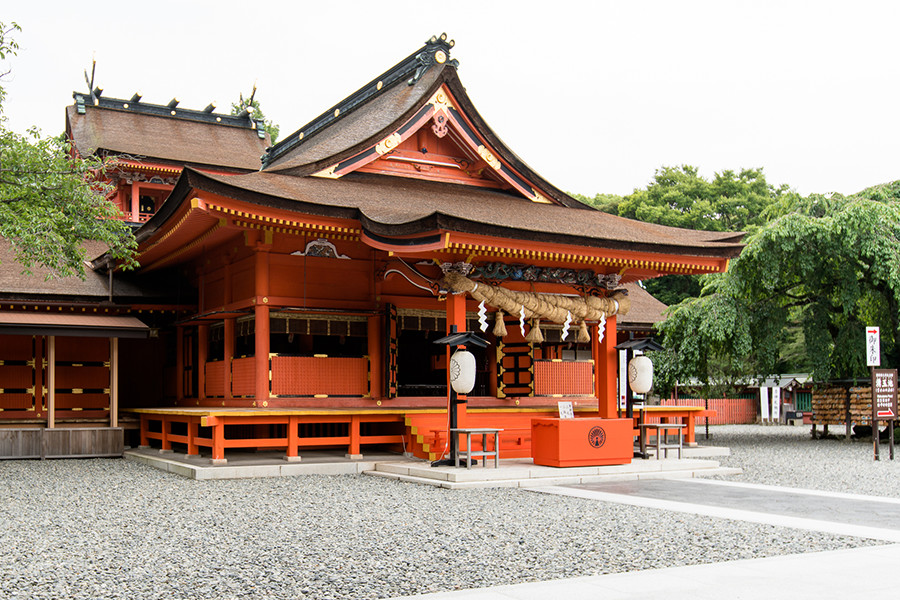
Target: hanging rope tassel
583, 335
534, 335
499, 325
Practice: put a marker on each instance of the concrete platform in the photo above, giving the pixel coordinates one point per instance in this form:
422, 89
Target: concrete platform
523, 473
242, 465
516, 472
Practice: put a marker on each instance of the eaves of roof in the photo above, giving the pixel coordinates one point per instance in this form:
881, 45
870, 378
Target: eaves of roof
390, 207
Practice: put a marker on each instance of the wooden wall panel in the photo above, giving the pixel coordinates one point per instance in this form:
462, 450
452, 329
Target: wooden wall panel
242, 281
80, 442
316, 376
322, 278
213, 294
17, 377
82, 349
83, 442
214, 382
20, 443
243, 377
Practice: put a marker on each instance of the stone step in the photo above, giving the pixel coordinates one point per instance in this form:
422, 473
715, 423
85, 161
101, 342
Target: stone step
523, 473
558, 480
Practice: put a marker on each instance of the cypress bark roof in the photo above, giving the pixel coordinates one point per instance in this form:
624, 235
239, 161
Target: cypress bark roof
392, 206
645, 308
127, 287
173, 139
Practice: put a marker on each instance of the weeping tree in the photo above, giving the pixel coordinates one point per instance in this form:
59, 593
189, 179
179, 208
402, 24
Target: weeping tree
820, 271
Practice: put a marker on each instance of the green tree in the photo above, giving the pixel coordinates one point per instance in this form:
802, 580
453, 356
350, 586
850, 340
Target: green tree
50, 200
826, 270
251, 102
680, 197
608, 203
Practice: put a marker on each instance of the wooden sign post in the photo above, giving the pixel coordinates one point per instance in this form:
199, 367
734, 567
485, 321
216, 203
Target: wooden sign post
884, 390
873, 359
884, 403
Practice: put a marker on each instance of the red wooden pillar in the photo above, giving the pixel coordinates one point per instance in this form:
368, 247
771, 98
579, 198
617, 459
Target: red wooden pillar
261, 326
376, 364
38, 356
192, 425
218, 441
145, 427
135, 202
229, 354
202, 357
113, 382
166, 444
179, 363
605, 369
353, 452
121, 197
293, 440
51, 381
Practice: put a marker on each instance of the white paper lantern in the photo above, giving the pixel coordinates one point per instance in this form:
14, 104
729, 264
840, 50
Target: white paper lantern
462, 371
640, 374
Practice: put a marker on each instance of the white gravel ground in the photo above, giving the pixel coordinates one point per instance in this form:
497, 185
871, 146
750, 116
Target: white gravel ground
788, 456
117, 529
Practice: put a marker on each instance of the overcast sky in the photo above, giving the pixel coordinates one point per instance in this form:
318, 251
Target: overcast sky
595, 96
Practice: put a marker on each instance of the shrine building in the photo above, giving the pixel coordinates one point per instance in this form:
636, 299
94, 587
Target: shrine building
292, 301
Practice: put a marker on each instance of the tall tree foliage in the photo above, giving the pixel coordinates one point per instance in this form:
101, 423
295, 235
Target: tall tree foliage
681, 197
50, 200
827, 267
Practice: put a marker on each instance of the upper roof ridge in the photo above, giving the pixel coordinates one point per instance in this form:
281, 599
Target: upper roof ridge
436, 51
169, 111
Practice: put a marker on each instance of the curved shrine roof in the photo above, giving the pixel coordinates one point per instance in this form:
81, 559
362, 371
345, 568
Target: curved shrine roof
388, 105
392, 206
326, 169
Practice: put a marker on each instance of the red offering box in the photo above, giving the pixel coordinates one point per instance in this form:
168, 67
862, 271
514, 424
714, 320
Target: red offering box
582, 442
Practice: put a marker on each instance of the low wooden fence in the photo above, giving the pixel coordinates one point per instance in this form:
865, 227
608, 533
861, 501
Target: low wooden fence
729, 411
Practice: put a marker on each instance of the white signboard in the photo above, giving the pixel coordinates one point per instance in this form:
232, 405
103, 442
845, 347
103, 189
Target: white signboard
623, 377
873, 347
776, 404
764, 404
566, 410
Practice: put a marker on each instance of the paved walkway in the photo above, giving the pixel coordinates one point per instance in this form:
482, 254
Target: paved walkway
858, 573
855, 573
830, 512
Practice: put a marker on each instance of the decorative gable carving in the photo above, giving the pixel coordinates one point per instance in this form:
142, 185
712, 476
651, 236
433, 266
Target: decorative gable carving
437, 143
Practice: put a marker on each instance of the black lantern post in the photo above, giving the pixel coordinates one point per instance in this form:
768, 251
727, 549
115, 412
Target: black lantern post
642, 345
458, 340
